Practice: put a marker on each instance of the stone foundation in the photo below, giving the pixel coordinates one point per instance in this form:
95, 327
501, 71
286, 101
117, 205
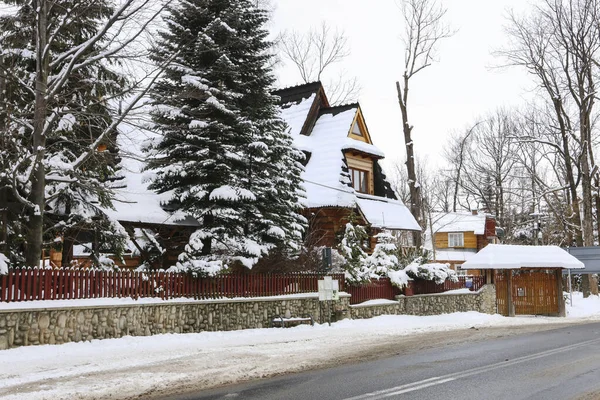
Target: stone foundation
483, 301
26, 327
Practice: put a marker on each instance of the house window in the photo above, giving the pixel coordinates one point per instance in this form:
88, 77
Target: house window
456, 240
356, 130
359, 180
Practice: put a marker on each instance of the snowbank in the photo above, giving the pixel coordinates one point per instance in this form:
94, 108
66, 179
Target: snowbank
146, 364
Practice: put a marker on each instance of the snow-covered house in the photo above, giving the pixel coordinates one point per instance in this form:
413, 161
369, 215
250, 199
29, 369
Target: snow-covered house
457, 236
342, 171
342, 175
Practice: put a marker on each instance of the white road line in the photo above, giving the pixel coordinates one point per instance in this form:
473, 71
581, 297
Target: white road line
410, 387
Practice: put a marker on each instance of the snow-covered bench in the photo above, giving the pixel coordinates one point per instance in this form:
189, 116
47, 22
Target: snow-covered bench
280, 322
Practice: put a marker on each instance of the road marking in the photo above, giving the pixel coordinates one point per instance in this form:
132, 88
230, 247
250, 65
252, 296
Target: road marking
438, 380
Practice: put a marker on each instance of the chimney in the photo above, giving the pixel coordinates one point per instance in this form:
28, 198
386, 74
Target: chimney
474, 212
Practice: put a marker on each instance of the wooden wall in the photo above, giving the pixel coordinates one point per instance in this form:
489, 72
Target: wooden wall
441, 240
326, 222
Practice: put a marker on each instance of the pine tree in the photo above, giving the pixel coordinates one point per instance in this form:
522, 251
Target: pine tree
224, 153
384, 257
74, 197
351, 247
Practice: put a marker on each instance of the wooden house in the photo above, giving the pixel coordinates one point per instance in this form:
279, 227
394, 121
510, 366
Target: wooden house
342, 173
458, 236
342, 176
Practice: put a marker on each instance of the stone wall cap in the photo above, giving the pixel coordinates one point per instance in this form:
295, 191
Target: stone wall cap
145, 302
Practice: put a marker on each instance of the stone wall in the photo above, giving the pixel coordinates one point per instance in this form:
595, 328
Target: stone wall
24, 327
483, 301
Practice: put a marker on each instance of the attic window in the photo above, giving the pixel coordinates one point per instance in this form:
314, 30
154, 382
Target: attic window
356, 130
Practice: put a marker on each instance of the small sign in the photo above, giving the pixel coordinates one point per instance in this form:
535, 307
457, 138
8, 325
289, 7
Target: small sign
520, 292
328, 289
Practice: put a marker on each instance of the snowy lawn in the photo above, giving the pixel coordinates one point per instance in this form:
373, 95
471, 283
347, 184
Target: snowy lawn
133, 366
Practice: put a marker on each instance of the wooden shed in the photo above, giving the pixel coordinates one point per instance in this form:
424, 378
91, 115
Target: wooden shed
527, 278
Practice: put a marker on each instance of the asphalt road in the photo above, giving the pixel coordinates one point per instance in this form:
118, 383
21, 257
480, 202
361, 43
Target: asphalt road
556, 364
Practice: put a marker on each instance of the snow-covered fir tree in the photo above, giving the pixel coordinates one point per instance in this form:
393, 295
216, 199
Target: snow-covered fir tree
384, 257
224, 153
74, 195
351, 247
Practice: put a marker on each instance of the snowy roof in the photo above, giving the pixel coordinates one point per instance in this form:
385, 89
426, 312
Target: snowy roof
295, 114
134, 202
501, 256
459, 222
325, 183
386, 213
453, 255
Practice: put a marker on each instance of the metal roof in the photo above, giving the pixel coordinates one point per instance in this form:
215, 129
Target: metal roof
589, 256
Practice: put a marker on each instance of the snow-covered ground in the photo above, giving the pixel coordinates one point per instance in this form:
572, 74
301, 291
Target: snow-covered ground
134, 366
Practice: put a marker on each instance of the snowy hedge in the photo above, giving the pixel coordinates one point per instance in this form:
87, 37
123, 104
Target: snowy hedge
3, 264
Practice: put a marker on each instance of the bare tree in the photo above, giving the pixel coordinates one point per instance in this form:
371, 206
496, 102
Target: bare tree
559, 42
49, 86
424, 28
455, 154
314, 53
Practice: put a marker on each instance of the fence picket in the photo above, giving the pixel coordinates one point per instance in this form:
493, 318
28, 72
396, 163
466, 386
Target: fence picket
25, 284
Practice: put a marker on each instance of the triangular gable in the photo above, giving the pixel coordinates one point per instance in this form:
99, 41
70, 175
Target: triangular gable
358, 129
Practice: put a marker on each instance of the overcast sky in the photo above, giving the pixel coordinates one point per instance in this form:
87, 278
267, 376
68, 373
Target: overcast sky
445, 97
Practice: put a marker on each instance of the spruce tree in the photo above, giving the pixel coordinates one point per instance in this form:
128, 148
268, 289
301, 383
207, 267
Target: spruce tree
224, 154
384, 257
351, 247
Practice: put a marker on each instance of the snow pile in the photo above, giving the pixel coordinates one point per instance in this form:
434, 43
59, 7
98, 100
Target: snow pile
581, 307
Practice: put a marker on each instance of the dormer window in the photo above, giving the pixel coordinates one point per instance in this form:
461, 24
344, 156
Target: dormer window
359, 180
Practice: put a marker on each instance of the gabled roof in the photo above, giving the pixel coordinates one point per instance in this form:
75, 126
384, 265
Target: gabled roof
502, 256
295, 94
326, 180
459, 222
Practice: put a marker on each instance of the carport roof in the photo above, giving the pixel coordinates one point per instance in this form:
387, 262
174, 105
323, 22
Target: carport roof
501, 256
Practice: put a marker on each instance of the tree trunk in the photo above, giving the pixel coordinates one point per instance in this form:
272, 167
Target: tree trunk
38, 182
413, 185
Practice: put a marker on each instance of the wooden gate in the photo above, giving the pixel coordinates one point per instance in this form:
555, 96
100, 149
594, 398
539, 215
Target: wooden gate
533, 292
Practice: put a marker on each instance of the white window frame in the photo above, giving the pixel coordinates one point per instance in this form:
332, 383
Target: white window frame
456, 239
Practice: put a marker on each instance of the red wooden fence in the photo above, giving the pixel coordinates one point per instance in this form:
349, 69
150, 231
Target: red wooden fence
58, 284
383, 289
428, 287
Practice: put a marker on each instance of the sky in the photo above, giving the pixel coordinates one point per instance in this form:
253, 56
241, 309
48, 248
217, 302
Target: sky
466, 83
